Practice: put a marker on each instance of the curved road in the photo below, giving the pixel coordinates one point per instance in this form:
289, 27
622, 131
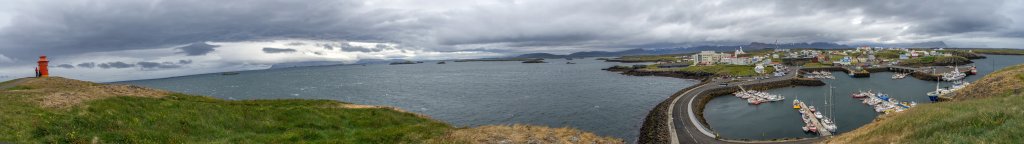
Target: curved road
685, 127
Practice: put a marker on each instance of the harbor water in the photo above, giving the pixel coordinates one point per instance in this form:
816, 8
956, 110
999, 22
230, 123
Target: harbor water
734, 118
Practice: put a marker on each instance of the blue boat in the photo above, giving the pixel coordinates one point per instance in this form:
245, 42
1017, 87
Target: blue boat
884, 97
933, 98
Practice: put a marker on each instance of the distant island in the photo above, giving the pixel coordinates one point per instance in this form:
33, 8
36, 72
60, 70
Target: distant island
403, 62
498, 59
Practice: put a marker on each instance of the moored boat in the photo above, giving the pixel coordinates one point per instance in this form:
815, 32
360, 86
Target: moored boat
796, 104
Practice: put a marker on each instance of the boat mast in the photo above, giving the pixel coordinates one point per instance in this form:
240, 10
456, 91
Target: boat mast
937, 81
831, 107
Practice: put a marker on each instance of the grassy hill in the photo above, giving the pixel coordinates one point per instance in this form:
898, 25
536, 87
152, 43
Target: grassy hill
988, 111
58, 110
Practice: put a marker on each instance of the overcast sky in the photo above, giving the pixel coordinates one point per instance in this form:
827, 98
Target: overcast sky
109, 40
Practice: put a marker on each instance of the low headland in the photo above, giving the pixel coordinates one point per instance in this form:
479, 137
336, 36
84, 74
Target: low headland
60, 110
497, 59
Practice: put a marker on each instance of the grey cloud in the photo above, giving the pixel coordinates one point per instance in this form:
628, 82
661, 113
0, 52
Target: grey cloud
156, 65
78, 26
118, 65
73, 27
278, 50
67, 66
351, 48
196, 49
87, 65
295, 44
184, 61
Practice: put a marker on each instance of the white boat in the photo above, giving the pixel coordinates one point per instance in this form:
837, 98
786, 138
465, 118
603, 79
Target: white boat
828, 124
900, 75
954, 75
818, 115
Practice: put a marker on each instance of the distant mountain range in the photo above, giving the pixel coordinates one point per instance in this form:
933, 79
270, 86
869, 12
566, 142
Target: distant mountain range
748, 47
639, 51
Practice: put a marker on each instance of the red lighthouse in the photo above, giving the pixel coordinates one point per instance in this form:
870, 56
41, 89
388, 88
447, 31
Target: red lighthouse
43, 72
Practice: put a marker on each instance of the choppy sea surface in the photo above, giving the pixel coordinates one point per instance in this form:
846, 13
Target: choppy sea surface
553, 94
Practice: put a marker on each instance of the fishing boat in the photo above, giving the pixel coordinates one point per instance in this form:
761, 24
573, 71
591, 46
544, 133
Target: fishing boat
934, 95
828, 124
954, 75
900, 75
957, 85
860, 94
796, 104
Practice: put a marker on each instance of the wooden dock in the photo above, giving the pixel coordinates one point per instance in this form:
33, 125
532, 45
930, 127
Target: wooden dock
822, 131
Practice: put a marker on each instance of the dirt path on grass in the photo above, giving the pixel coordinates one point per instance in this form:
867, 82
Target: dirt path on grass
57, 92
13, 83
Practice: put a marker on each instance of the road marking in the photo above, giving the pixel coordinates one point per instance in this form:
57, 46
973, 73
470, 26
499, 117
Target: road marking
671, 121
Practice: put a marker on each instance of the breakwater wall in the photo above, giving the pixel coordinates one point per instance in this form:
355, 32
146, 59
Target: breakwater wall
857, 74
675, 74
824, 69
925, 76
655, 129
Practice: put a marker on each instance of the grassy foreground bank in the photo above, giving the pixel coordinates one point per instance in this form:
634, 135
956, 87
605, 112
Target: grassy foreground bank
988, 111
58, 110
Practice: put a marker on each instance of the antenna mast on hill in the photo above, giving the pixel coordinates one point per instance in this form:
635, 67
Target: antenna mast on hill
776, 44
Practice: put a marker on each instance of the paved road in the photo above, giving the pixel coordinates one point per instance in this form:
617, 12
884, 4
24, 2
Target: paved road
686, 127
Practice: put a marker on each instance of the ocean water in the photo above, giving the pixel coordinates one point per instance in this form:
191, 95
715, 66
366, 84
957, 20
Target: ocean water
733, 118
551, 94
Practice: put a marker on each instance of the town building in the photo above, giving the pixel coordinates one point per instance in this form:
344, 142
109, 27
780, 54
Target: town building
846, 60
708, 57
738, 52
736, 60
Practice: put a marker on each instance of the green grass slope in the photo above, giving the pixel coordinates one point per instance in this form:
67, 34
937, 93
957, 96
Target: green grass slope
193, 119
58, 110
995, 117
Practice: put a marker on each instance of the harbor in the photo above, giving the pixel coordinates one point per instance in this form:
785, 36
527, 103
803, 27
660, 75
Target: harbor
732, 118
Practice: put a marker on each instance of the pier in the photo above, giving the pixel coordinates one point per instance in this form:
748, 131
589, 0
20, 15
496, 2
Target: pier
822, 131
